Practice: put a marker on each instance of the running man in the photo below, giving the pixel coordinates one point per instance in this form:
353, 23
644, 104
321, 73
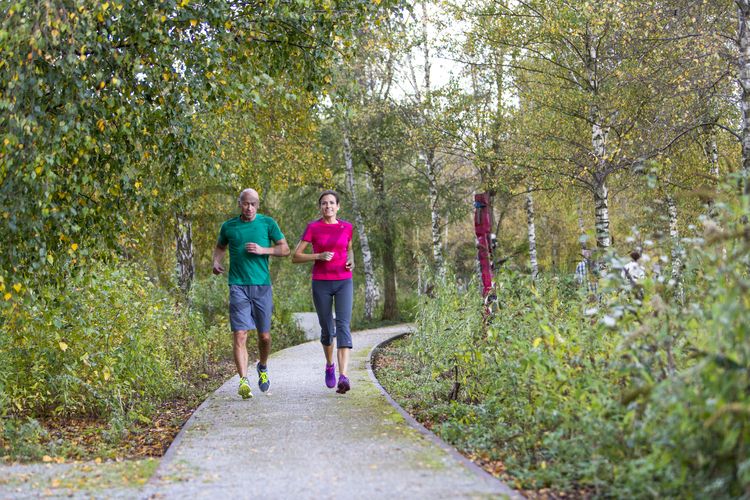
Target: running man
251, 238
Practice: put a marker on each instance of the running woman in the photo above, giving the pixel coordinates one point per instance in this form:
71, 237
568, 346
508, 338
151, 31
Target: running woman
332, 288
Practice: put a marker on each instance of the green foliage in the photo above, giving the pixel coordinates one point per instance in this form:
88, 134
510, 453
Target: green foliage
108, 342
23, 439
99, 106
624, 397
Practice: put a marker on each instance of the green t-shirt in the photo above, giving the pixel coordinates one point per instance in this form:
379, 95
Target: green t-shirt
246, 268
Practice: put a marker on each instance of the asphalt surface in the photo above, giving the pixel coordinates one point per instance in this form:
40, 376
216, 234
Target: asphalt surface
300, 440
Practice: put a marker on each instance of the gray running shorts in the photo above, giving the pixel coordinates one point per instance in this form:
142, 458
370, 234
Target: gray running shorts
250, 307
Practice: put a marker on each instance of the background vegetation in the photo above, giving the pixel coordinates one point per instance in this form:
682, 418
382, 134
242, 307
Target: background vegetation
127, 130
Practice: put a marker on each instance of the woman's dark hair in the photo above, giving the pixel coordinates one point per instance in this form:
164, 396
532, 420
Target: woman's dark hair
327, 192
635, 255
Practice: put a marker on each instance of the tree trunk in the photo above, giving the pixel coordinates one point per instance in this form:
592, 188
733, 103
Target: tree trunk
712, 154
437, 244
744, 79
390, 304
390, 299
185, 253
676, 246
599, 134
372, 293
532, 235
601, 214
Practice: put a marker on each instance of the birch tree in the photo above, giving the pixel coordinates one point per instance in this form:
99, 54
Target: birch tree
371, 287
423, 127
531, 230
599, 75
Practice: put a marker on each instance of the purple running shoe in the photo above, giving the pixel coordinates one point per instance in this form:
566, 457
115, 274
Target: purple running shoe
331, 375
343, 384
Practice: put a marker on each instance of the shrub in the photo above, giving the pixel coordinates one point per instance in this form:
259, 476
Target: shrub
624, 397
107, 342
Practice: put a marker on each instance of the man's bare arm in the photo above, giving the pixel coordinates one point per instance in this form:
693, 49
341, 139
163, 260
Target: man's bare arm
219, 253
279, 249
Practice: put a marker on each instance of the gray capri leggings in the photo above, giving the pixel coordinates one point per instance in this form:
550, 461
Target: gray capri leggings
324, 292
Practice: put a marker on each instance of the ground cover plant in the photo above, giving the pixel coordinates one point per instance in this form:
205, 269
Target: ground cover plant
114, 365
639, 394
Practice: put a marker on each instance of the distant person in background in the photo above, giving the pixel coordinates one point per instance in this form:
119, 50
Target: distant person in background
332, 287
633, 272
582, 274
251, 238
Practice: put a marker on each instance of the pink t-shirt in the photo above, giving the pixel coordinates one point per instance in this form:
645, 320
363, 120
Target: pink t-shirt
329, 238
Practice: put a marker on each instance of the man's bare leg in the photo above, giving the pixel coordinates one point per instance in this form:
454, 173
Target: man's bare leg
240, 352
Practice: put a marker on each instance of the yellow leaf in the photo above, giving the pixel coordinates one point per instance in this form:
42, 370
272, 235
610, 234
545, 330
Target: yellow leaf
38, 170
46, 458
7, 296
98, 460
74, 246
17, 287
106, 374
63, 346
537, 341
193, 22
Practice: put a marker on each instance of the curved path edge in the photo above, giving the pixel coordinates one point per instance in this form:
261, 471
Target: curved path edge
303, 440
451, 450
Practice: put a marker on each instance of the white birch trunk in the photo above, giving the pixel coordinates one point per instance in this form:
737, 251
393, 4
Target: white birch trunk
372, 293
428, 150
674, 235
744, 79
712, 153
601, 215
599, 135
437, 244
185, 253
532, 235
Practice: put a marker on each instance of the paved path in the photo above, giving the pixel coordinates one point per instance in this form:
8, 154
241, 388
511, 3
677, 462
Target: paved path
308, 321
303, 440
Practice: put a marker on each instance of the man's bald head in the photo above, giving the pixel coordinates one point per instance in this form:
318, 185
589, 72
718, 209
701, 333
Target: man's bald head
250, 193
248, 203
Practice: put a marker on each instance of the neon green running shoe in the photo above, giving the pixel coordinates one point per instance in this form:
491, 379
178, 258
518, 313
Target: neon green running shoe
263, 382
244, 390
